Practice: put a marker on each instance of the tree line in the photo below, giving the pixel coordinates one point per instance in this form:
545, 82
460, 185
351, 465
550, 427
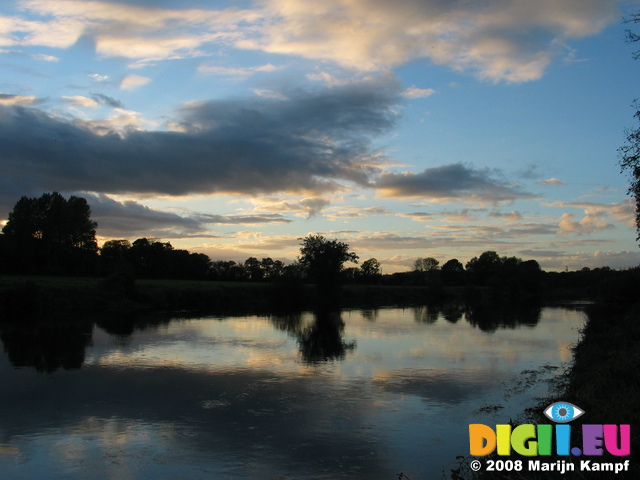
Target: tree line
52, 235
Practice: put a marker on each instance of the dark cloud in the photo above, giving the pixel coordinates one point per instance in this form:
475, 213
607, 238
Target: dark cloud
131, 219
455, 181
310, 207
311, 141
105, 100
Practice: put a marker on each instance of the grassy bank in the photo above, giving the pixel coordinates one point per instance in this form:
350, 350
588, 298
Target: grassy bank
42, 296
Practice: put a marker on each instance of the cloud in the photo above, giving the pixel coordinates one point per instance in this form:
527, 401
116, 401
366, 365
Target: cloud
306, 207
145, 34
415, 92
590, 223
463, 215
595, 215
450, 182
133, 82
105, 100
551, 181
512, 216
340, 213
209, 69
22, 100
98, 78
497, 40
130, 219
310, 142
269, 94
496, 233
81, 101
45, 58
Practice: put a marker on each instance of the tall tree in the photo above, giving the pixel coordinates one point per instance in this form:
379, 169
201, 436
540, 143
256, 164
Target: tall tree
630, 152
323, 259
51, 234
428, 264
452, 271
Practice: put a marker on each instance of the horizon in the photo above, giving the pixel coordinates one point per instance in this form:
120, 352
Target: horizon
406, 131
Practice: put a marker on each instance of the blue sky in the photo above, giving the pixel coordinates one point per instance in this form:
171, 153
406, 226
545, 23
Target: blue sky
407, 129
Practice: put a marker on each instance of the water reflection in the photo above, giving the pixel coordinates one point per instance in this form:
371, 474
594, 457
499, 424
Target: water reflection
321, 341
329, 394
53, 345
490, 319
46, 347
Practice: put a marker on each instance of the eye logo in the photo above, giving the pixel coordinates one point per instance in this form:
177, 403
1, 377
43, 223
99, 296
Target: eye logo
563, 412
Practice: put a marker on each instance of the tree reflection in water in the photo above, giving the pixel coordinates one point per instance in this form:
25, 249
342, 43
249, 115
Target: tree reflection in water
52, 345
320, 341
47, 347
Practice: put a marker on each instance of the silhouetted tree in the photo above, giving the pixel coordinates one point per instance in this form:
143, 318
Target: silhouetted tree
370, 271
51, 234
482, 269
254, 268
226, 270
428, 264
113, 255
323, 260
630, 152
452, 272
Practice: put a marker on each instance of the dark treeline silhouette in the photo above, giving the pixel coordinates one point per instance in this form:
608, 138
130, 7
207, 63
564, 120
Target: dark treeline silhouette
149, 258
52, 235
49, 235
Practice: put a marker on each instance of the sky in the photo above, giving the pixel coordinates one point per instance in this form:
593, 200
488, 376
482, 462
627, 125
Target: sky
407, 129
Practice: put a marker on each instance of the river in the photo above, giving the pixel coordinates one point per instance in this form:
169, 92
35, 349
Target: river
355, 394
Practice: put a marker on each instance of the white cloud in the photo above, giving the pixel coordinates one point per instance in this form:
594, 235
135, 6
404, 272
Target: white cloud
120, 30
81, 101
45, 58
209, 69
99, 78
593, 221
415, 92
18, 100
133, 82
498, 40
622, 212
551, 181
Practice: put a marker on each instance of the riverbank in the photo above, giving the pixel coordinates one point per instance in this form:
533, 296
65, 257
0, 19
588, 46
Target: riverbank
603, 381
42, 296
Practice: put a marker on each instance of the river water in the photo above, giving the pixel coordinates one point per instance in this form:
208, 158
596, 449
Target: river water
327, 395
